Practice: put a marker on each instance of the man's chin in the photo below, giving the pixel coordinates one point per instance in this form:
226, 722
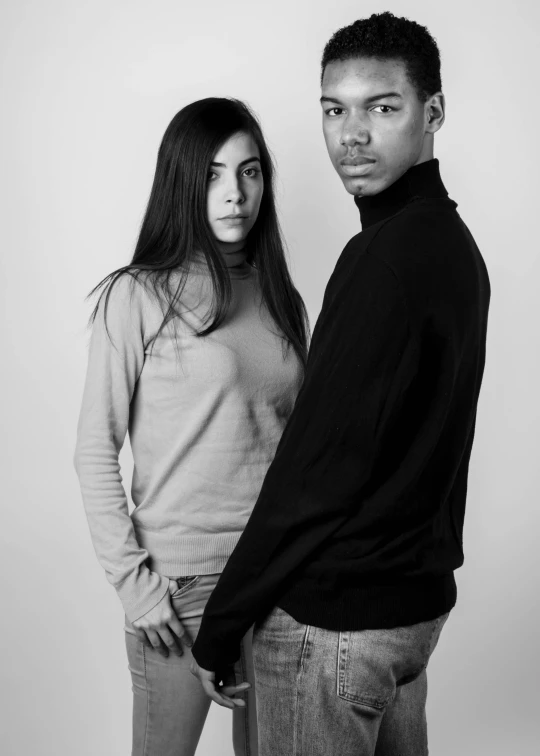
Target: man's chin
359, 186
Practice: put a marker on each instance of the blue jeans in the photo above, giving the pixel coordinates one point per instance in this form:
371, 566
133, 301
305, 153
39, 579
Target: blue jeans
169, 704
350, 693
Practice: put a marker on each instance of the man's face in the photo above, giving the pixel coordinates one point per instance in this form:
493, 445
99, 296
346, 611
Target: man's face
373, 121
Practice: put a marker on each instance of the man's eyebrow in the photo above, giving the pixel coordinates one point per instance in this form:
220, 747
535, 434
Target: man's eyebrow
373, 98
244, 162
384, 96
330, 99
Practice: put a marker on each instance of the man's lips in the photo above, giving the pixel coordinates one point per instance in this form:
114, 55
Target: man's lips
357, 160
356, 166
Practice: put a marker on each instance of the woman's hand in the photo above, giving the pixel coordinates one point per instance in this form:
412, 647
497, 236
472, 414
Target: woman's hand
161, 629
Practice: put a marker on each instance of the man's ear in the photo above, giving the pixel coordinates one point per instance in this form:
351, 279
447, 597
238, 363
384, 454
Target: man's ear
434, 112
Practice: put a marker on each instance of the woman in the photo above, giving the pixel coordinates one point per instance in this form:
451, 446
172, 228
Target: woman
197, 350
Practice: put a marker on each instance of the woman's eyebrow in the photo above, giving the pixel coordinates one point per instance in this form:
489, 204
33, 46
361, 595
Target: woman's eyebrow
247, 160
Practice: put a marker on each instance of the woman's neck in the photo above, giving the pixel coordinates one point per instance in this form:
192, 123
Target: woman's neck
233, 254
234, 257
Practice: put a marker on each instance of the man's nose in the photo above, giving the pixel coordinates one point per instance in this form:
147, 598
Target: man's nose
355, 131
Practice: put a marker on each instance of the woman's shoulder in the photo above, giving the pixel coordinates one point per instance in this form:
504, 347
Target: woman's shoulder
123, 293
128, 302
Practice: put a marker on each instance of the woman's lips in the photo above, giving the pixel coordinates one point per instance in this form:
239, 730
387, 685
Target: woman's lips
234, 220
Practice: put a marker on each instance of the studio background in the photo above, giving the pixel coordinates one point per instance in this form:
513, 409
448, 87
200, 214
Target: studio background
87, 90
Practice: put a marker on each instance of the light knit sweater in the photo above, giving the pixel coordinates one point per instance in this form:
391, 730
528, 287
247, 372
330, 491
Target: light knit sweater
204, 417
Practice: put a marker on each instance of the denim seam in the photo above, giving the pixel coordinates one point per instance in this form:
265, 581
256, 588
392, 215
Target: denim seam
243, 667
147, 700
305, 647
304, 654
342, 652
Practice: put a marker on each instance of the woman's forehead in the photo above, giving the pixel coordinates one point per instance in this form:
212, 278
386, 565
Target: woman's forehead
237, 148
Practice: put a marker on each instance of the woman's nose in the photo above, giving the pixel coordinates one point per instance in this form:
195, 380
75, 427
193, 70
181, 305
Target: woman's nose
234, 192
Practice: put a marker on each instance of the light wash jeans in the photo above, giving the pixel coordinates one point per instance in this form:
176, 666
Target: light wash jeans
350, 693
169, 704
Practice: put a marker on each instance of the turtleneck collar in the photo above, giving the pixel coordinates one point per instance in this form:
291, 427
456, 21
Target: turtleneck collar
236, 263
233, 259
423, 180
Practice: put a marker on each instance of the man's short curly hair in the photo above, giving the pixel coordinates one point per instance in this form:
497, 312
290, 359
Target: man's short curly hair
388, 37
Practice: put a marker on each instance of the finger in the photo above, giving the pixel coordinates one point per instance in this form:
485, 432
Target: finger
229, 686
141, 635
180, 631
236, 702
155, 640
210, 690
233, 690
207, 680
171, 641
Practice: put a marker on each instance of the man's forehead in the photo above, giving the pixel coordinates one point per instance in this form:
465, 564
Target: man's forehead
365, 72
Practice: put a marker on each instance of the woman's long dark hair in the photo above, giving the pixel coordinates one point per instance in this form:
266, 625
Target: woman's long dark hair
175, 227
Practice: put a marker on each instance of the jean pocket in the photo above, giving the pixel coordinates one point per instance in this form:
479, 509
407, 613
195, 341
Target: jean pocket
364, 676
184, 585
373, 663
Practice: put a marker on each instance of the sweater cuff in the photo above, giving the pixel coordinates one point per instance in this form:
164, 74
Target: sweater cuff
142, 598
213, 655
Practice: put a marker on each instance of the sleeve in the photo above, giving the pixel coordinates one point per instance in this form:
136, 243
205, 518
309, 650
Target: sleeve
314, 485
116, 358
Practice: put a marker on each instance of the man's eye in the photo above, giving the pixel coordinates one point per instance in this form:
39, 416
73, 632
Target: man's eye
384, 109
333, 112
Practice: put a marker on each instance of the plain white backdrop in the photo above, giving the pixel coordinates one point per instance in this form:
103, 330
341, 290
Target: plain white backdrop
87, 90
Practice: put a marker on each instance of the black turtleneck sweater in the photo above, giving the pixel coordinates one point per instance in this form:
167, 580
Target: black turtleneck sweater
359, 521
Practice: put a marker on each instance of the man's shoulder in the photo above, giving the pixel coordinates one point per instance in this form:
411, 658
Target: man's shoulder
426, 235
421, 222
422, 228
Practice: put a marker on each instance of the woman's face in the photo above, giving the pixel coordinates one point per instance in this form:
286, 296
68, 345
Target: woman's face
235, 188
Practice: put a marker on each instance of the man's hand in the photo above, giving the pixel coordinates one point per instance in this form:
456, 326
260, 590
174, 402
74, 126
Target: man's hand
161, 629
221, 694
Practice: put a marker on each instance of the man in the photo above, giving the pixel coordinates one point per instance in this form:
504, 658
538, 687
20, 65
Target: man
346, 565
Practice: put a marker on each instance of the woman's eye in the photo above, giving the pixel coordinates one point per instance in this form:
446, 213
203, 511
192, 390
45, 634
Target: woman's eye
251, 172
212, 176
384, 109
